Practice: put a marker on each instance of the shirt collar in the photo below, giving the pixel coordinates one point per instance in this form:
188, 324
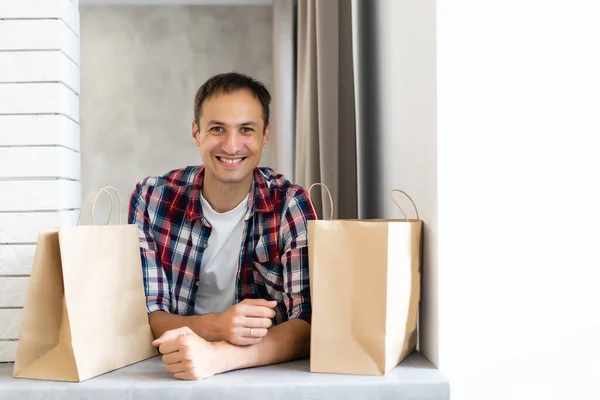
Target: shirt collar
260, 200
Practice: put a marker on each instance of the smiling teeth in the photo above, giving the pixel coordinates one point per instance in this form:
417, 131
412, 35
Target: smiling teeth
231, 160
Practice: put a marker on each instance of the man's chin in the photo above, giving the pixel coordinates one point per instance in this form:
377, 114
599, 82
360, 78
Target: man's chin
232, 177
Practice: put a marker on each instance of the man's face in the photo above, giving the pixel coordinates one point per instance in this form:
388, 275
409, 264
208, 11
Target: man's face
231, 135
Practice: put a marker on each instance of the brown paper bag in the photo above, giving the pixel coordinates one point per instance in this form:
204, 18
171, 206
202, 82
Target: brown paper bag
365, 281
85, 309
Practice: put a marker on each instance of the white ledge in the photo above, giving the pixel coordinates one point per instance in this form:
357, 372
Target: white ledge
415, 378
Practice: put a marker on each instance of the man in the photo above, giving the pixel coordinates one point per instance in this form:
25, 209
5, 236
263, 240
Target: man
224, 245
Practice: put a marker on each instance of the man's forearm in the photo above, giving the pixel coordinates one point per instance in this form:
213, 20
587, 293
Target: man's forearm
203, 325
285, 342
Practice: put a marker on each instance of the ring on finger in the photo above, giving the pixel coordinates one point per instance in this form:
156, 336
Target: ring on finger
251, 331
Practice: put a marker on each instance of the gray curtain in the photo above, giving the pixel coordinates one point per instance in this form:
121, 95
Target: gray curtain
325, 120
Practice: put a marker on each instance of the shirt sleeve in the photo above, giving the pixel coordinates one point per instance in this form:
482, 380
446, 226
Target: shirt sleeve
294, 259
156, 285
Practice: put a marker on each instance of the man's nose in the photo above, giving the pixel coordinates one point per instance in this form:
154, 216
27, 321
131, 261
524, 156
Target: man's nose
231, 143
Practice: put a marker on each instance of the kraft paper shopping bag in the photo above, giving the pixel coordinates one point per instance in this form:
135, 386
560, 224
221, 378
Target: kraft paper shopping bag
85, 308
365, 278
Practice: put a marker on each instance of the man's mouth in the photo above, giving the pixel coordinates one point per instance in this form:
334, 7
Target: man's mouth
231, 160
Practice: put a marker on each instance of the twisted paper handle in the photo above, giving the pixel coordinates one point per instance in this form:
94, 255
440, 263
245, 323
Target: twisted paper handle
398, 205
328, 192
98, 192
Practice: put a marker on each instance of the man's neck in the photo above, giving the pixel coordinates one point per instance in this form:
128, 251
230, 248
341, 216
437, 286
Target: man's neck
224, 197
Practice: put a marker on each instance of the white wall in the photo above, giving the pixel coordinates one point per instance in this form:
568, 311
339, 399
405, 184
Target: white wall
39, 141
283, 107
519, 203
406, 79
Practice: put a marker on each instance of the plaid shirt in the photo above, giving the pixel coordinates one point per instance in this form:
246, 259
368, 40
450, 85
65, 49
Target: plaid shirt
273, 260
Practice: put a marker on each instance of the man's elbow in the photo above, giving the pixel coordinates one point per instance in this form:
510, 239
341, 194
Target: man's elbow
300, 337
158, 321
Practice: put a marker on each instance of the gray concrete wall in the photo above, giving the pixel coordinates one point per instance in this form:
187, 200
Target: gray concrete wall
140, 69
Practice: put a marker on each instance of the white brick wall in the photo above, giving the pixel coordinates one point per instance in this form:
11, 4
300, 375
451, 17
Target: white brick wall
39, 140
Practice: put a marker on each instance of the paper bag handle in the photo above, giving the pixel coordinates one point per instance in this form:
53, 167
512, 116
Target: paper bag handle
100, 190
398, 205
106, 188
328, 192
85, 201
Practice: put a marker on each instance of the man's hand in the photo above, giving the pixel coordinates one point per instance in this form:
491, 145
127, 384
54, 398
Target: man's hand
247, 322
188, 356
243, 324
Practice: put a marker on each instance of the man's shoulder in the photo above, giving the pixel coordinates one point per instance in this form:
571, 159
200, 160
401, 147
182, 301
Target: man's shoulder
287, 194
175, 180
280, 185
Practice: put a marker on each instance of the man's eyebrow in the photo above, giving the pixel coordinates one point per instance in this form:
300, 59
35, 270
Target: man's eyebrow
215, 122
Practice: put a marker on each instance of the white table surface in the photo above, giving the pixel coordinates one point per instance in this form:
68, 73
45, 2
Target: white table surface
415, 379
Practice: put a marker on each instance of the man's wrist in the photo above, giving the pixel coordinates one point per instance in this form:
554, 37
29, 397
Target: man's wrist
224, 356
207, 327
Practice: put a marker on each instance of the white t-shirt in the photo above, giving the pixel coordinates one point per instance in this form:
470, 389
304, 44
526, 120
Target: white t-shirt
218, 270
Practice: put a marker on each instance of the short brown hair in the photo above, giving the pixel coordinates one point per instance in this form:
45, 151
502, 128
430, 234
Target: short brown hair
228, 83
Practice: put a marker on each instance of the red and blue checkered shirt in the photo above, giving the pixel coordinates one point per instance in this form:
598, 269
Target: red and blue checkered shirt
273, 259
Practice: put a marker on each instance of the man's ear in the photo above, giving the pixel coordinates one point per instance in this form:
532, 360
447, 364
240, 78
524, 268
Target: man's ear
266, 136
196, 133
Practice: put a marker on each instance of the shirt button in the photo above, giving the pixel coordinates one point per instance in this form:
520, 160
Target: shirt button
205, 244
197, 283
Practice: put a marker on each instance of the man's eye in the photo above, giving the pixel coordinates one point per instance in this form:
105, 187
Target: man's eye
218, 129
247, 130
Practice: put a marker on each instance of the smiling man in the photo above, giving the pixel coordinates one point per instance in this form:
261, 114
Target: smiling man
224, 244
